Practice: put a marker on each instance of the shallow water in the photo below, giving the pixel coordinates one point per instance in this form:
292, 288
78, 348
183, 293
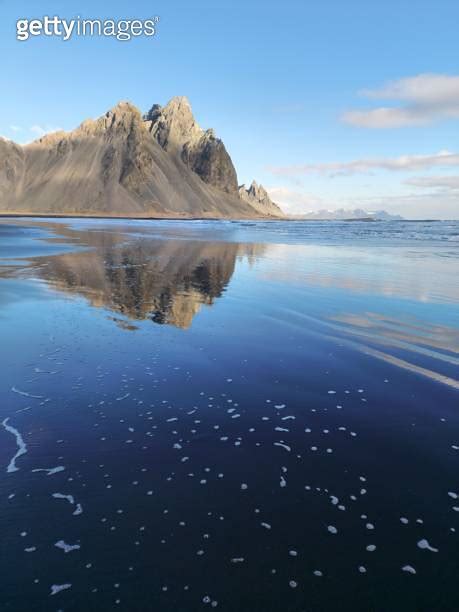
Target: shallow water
241, 415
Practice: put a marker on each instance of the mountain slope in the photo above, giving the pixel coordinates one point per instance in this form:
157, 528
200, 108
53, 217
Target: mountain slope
123, 164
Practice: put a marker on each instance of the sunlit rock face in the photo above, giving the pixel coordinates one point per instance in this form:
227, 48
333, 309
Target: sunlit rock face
178, 133
125, 164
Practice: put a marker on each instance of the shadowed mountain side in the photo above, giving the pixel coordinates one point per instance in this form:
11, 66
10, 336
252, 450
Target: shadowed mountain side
121, 164
165, 281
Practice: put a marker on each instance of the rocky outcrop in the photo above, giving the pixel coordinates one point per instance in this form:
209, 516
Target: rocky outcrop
257, 196
173, 125
123, 164
176, 130
210, 160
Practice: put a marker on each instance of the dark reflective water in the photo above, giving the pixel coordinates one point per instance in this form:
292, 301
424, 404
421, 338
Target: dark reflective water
248, 416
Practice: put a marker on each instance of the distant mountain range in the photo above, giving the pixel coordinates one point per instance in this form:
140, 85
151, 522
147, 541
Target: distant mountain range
161, 164
347, 214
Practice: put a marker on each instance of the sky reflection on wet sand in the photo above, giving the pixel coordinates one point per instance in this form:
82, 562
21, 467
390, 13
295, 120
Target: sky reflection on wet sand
194, 418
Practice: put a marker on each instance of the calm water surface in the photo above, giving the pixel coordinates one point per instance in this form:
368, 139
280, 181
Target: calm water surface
253, 417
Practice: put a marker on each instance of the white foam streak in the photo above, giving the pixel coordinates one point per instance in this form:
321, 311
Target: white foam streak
22, 446
25, 394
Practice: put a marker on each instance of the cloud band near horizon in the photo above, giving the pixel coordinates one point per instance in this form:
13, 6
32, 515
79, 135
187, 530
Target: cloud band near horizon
403, 163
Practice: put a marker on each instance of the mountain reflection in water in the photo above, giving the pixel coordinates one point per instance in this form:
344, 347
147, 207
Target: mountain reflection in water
165, 281
346, 293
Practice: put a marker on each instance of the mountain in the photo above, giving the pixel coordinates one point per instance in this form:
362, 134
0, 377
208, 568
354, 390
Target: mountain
256, 196
162, 164
382, 215
347, 214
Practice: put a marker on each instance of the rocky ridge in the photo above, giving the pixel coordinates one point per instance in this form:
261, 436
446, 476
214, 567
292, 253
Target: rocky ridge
162, 164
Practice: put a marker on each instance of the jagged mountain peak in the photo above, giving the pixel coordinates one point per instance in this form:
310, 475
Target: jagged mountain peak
258, 191
153, 113
123, 163
123, 106
177, 131
173, 125
257, 196
179, 103
122, 116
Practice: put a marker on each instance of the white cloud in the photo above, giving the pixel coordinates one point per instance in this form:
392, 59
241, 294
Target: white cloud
425, 98
26, 135
295, 202
443, 183
42, 130
384, 117
404, 163
431, 89
38, 130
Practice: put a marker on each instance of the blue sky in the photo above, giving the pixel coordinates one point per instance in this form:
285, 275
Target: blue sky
292, 88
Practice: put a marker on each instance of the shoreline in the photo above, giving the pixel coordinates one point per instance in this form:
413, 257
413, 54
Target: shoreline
22, 215
4, 215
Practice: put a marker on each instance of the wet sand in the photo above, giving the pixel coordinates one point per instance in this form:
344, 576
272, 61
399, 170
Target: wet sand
231, 415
